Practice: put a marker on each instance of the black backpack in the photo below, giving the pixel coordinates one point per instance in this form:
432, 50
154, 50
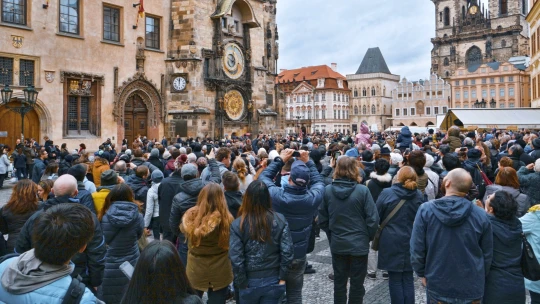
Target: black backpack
75, 291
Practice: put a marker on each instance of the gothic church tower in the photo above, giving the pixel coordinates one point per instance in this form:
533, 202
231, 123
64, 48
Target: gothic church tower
469, 34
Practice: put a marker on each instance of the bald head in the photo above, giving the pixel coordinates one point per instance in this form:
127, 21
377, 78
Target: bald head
458, 182
65, 185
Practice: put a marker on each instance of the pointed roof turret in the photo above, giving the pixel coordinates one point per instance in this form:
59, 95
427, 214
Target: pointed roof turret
373, 62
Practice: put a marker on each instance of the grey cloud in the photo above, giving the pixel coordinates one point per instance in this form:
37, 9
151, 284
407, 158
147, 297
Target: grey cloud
314, 32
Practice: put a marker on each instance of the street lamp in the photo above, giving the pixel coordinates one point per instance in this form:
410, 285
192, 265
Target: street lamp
492, 103
27, 104
298, 120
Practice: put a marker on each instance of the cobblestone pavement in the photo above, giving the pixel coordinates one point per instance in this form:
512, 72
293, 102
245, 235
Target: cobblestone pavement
318, 289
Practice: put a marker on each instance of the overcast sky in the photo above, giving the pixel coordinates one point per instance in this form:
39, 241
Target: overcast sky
315, 32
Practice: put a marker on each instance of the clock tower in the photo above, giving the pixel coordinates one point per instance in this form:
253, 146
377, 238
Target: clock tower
221, 64
468, 34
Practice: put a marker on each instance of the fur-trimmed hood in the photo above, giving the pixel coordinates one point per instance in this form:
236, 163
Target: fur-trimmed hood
209, 223
381, 178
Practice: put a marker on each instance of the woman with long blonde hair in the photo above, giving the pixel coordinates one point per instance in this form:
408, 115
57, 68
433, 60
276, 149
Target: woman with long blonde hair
241, 169
206, 226
20, 207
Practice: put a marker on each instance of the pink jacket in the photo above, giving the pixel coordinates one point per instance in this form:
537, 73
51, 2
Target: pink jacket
364, 136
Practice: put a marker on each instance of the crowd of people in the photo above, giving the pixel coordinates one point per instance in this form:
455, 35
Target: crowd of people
236, 218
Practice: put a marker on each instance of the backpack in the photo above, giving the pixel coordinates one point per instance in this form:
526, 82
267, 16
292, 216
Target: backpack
478, 180
75, 291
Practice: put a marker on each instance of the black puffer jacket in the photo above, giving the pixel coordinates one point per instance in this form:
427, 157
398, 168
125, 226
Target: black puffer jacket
90, 263
167, 190
11, 224
85, 197
187, 198
122, 227
378, 183
234, 201
139, 187
254, 259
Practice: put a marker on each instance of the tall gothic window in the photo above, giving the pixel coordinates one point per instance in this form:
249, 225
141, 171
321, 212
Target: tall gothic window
355, 93
503, 7
356, 110
446, 62
463, 12
364, 110
372, 91
474, 56
446, 16
524, 7
373, 109
364, 92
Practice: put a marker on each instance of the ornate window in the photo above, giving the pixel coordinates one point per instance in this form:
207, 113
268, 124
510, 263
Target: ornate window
6, 70
26, 72
446, 16
373, 110
69, 16
474, 56
364, 92
373, 91
14, 11
111, 24
446, 61
364, 110
81, 104
355, 110
152, 32
355, 92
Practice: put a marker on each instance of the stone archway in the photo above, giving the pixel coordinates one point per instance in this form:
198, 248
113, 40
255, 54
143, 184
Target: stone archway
140, 86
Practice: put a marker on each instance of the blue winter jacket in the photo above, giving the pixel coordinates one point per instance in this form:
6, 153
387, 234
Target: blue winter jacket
37, 171
297, 204
51, 294
505, 283
404, 138
394, 244
452, 242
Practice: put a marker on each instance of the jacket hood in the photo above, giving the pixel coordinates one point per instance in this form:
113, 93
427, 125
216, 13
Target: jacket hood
122, 214
343, 188
381, 179
209, 223
193, 187
26, 273
109, 188
100, 164
471, 163
58, 200
406, 132
452, 210
404, 193
506, 231
136, 183
364, 129
234, 195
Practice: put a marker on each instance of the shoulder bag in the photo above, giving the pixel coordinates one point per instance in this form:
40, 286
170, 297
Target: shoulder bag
529, 262
375, 242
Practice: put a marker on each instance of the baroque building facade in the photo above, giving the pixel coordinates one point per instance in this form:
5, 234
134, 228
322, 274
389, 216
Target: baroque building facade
98, 67
220, 67
533, 19
315, 99
468, 34
417, 103
372, 87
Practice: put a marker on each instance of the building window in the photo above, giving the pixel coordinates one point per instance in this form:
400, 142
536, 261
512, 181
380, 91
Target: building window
26, 72
492, 80
501, 92
484, 93
355, 93
339, 97
458, 95
510, 78
511, 92
397, 112
503, 7
465, 82
446, 16
405, 112
6, 70
111, 24
334, 96
473, 81
355, 110
428, 111
237, 26
372, 91
323, 114
78, 113
323, 97
317, 114
491, 92
69, 16
444, 110
501, 79
457, 82
152, 32
436, 110
364, 92
335, 114
466, 106
466, 94
413, 111
502, 105
364, 110
511, 105
14, 11
484, 80
473, 94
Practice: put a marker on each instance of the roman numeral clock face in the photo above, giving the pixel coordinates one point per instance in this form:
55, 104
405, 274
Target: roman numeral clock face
233, 61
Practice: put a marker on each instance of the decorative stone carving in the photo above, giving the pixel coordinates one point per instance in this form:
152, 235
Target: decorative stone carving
82, 76
49, 76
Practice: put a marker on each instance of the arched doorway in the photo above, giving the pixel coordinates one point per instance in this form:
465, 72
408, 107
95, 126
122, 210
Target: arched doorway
429, 123
135, 118
10, 122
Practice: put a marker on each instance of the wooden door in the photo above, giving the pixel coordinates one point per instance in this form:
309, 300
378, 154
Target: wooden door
135, 118
10, 122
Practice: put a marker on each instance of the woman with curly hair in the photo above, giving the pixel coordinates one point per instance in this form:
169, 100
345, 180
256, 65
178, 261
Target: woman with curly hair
20, 207
241, 169
206, 226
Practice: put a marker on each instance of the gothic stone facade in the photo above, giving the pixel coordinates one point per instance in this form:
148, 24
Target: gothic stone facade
533, 20
220, 67
467, 34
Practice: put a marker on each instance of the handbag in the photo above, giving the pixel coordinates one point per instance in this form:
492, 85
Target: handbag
484, 177
375, 242
529, 262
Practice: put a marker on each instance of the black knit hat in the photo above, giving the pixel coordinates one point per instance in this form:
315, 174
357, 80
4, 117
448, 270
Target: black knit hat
109, 178
77, 171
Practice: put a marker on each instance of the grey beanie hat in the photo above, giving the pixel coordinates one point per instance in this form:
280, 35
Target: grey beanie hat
154, 152
157, 176
189, 170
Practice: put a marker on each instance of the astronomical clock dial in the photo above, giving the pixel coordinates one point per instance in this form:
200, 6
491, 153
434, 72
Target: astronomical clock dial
473, 10
233, 61
234, 105
179, 83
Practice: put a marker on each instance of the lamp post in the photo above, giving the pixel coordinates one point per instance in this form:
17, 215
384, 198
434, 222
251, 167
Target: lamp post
27, 104
298, 123
492, 103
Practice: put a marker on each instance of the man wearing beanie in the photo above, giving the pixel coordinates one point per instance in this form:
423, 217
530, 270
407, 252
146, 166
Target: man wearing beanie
151, 216
536, 146
154, 160
475, 167
138, 183
109, 179
84, 196
187, 198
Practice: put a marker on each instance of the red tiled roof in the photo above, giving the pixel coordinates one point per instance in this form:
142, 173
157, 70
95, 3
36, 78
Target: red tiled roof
311, 74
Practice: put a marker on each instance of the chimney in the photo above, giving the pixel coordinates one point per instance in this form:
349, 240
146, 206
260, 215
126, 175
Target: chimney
334, 66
